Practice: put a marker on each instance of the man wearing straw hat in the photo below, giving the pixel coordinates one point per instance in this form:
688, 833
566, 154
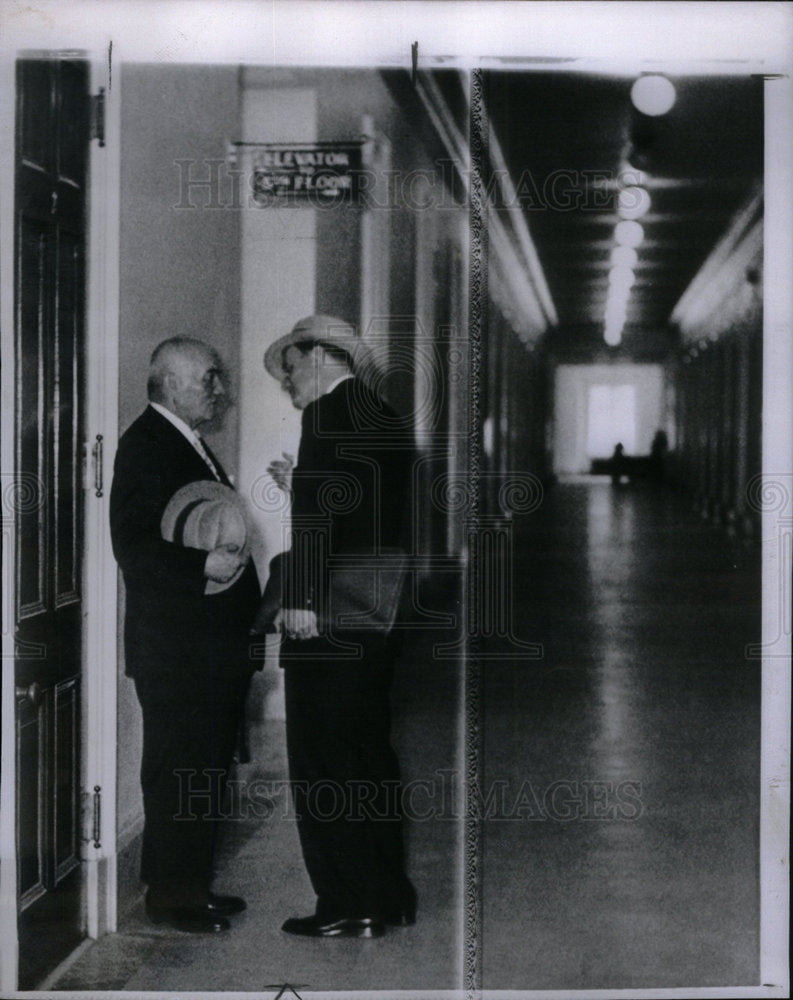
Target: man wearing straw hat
180, 537
337, 592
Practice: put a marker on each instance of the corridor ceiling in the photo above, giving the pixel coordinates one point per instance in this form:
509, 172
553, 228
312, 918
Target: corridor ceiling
568, 140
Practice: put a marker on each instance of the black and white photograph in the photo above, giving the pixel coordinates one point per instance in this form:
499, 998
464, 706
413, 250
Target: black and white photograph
397, 498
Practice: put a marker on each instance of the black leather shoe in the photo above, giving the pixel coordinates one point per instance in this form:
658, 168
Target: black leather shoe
404, 913
403, 917
225, 906
190, 919
358, 927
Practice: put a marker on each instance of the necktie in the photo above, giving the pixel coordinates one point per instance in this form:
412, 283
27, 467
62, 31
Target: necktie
203, 452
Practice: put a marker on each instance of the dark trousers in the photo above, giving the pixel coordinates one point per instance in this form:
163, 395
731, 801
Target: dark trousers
345, 781
189, 738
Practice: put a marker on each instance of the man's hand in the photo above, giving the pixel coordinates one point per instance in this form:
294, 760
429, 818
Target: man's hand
222, 563
281, 471
297, 623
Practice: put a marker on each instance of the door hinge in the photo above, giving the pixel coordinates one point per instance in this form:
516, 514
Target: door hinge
97, 831
98, 116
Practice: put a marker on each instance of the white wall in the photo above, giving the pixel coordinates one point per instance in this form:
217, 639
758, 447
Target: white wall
278, 281
278, 288
571, 390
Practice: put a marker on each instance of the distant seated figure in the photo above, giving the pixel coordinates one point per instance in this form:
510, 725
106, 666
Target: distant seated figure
617, 464
658, 451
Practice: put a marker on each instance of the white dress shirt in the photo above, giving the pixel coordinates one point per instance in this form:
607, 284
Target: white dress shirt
188, 433
338, 381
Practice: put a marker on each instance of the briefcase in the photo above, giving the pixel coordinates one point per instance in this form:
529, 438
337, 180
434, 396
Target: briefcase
362, 593
358, 592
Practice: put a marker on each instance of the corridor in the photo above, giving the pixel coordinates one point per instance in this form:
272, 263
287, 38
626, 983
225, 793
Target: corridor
639, 733
620, 774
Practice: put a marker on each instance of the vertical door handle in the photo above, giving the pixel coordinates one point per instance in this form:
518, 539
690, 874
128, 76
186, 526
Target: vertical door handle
98, 452
97, 815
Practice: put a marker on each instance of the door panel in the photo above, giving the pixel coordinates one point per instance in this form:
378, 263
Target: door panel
35, 114
66, 478
73, 126
52, 137
67, 846
31, 526
30, 731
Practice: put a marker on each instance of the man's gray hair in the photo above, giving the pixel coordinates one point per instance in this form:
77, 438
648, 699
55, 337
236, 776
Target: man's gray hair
162, 359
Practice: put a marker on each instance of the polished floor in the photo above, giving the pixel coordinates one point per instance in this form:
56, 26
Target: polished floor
635, 862
619, 764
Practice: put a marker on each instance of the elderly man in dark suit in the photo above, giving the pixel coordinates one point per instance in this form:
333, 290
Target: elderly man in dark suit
349, 490
188, 612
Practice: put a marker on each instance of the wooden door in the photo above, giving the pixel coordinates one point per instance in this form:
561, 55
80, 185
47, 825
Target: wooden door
51, 165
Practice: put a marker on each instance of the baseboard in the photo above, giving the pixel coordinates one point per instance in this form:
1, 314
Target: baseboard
50, 982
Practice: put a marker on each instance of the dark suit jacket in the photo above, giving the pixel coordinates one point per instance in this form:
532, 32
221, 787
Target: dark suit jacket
350, 485
172, 630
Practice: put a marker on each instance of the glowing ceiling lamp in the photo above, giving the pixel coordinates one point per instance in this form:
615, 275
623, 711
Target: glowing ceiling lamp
621, 279
615, 316
628, 233
633, 202
630, 176
624, 257
653, 95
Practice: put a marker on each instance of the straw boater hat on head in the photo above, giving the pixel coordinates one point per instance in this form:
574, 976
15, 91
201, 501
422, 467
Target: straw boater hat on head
322, 330
204, 515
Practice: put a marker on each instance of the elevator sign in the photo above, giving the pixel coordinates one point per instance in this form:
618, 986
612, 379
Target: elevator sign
323, 173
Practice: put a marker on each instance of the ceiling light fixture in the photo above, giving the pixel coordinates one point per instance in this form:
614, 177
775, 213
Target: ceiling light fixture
630, 176
633, 203
653, 95
621, 278
628, 233
624, 257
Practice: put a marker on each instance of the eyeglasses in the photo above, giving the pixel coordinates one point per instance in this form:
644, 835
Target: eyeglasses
210, 377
